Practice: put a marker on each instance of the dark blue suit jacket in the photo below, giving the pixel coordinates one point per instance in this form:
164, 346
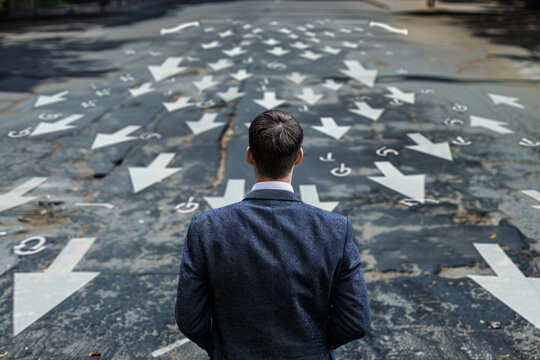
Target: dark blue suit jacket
271, 277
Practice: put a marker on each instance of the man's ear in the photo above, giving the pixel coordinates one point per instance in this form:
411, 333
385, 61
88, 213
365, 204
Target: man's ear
249, 157
299, 157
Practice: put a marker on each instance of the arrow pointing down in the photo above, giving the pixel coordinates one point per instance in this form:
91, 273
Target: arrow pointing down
143, 177
411, 186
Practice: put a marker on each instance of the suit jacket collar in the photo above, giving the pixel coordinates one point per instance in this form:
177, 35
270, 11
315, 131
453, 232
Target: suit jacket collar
272, 194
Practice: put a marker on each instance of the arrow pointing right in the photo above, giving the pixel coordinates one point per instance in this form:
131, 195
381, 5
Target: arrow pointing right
329, 127
269, 100
234, 192
143, 177
50, 99
497, 126
122, 135
367, 111
60, 125
310, 196
168, 68
441, 150
15, 197
411, 186
204, 124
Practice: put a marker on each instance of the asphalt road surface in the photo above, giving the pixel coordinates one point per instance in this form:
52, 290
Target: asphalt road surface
112, 136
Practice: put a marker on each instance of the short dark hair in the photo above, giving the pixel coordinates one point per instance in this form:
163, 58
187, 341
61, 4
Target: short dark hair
275, 138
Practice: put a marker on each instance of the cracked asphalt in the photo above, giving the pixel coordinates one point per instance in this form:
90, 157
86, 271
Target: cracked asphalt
418, 248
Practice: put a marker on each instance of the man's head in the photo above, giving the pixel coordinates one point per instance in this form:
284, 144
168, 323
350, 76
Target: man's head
275, 140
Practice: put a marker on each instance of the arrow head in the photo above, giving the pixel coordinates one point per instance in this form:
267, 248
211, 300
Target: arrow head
411, 186
234, 192
43, 100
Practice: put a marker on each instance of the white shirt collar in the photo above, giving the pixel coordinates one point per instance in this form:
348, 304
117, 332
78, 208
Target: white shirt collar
276, 185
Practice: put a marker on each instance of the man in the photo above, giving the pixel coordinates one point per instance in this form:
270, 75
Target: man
271, 277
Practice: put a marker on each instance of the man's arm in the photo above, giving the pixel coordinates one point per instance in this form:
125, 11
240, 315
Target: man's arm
193, 308
350, 315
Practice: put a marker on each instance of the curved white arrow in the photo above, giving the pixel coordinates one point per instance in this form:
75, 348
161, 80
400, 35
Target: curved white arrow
441, 150
412, 186
234, 192
179, 28
16, 196
143, 177
329, 127
388, 27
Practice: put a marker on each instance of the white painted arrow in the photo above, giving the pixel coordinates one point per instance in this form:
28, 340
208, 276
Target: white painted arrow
35, 294
168, 68
204, 124
117, 137
494, 125
310, 196
388, 27
16, 196
235, 51
220, 64
60, 125
510, 286
411, 186
181, 102
356, 71
300, 45
231, 94
43, 100
141, 90
534, 194
241, 75
234, 192
225, 33
331, 50
367, 111
269, 100
278, 51
179, 28
441, 150
143, 177
506, 100
296, 78
310, 55
271, 42
350, 44
205, 83
309, 96
329, 127
400, 95
211, 45
332, 85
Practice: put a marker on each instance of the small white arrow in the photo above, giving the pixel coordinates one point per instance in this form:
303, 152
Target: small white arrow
225, 33
412, 186
356, 71
329, 33
35, 294
308, 54
400, 95
271, 42
204, 124
331, 50
205, 83
388, 27
211, 45
181, 102
234, 192
441, 150
235, 51
168, 68
309, 96
329, 127
510, 286
143, 177
296, 78
350, 45
43, 100
278, 51
300, 45
141, 90
15, 197
332, 85
269, 100
309, 195
534, 194
494, 125
506, 100
241, 75
179, 28
231, 94
220, 64
60, 125
367, 111
117, 137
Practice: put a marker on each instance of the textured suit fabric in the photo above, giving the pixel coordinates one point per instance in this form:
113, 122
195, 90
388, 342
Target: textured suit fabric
271, 277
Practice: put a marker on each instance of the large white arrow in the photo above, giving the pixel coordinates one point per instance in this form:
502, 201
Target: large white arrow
296, 78
205, 83
329, 127
411, 186
269, 100
534, 194
241, 75
35, 294
43, 100
441, 150
168, 68
356, 71
309, 96
60, 125
367, 111
506, 100
117, 137
231, 94
310, 196
143, 177
141, 90
234, 192
179, 28
179, 103
204, 124
519, 293
494, 125
16, 196
397, 94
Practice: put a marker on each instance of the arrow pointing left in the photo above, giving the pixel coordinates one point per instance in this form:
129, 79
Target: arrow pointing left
50, 99
143, 177
122, 135
60, 125
15, 197
441, 150
35, 294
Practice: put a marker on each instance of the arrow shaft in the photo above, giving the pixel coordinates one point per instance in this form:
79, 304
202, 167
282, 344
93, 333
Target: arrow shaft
126, 131
66, 261
499, 262
388, 169
27, 186
161, 161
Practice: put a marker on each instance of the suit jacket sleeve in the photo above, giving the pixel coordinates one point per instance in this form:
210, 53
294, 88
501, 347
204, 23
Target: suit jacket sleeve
350, 315
193, 308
